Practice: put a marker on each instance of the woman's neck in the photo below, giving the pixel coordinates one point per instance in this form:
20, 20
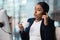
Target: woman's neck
37, 20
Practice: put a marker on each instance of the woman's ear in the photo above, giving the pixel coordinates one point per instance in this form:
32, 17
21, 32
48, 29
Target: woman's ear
44, 13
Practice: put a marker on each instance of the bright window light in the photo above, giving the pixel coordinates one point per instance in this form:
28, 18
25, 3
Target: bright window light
24, 2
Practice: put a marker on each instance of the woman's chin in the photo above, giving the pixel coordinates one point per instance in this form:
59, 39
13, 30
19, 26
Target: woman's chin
38, 18
35, 17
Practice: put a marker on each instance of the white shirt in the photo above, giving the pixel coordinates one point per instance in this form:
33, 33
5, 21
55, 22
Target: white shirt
35, 31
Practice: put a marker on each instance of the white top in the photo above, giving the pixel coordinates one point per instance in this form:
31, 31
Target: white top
35, 31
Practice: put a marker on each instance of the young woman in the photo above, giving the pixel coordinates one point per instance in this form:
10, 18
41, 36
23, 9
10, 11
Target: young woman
41, 27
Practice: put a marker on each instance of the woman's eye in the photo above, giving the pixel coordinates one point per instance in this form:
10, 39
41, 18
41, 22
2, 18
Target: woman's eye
39, 10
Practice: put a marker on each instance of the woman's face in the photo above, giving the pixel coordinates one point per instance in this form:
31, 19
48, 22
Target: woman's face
38, 11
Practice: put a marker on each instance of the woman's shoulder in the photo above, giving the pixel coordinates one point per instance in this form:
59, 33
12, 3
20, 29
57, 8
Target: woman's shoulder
31, 19
51, 20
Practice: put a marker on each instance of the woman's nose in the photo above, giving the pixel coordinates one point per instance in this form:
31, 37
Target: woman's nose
35, 11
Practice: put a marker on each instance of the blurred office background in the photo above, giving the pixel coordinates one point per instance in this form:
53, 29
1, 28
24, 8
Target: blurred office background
18, 9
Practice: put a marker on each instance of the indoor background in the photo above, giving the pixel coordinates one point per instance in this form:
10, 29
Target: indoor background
24, 9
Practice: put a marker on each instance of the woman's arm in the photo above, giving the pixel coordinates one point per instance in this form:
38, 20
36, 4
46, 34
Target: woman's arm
22, 32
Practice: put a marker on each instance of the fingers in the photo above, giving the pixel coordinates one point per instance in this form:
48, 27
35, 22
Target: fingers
20, 26
46, 13
45, 16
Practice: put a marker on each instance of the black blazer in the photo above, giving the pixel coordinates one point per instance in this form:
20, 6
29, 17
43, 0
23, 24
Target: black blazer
47, 32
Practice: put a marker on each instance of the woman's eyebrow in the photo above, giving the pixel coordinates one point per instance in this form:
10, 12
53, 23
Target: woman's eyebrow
39, 8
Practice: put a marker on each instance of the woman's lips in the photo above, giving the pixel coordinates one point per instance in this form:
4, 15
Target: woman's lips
35, 15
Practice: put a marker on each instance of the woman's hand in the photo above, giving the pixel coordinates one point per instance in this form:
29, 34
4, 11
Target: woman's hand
21, 27
45, 17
